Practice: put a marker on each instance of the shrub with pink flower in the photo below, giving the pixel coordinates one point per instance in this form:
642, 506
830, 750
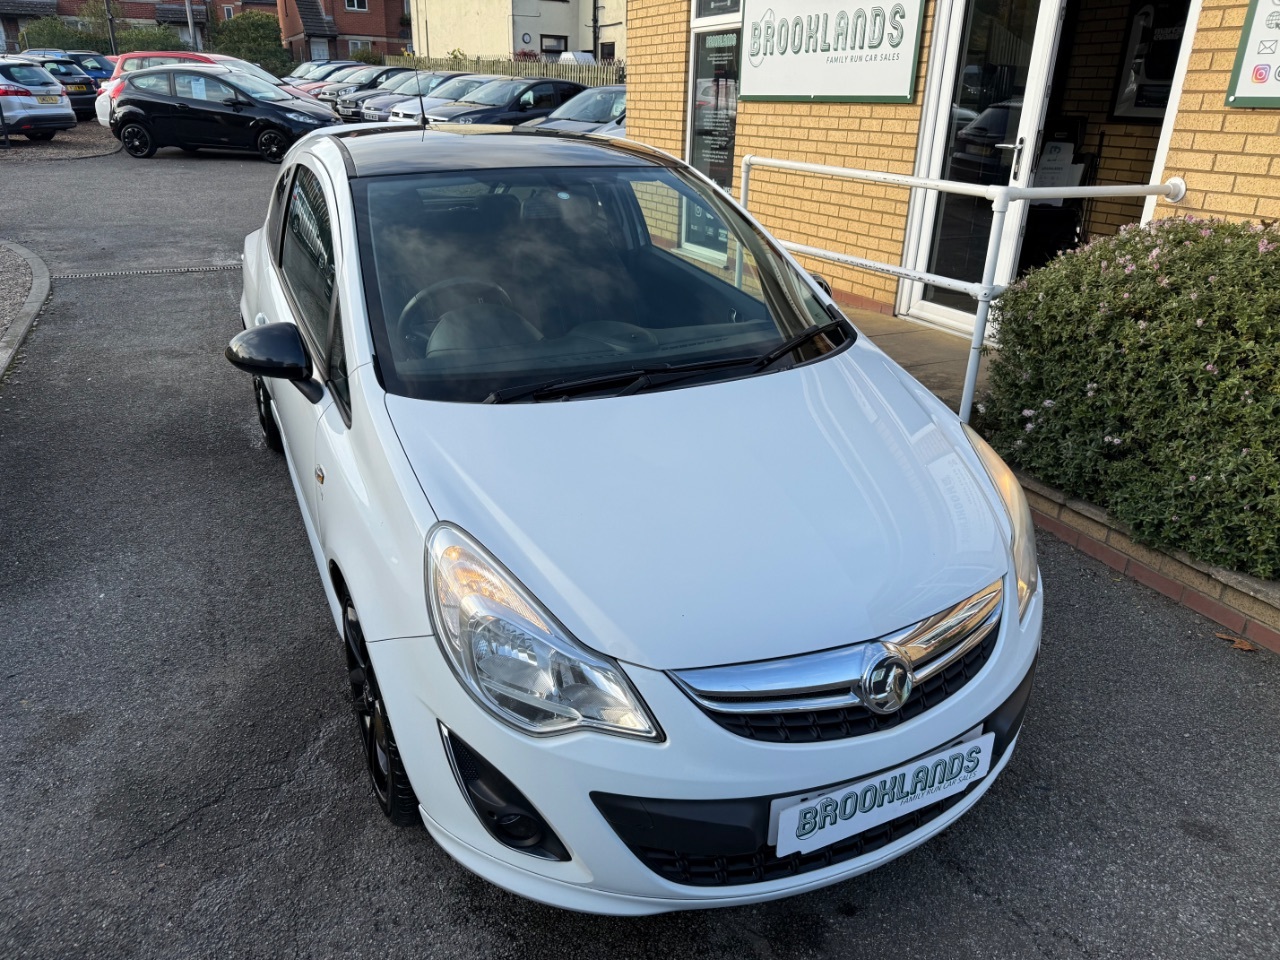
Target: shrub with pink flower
1142, 373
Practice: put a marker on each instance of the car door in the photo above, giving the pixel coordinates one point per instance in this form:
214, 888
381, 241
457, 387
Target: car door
207, 112
152, 95
537, 101
300, 290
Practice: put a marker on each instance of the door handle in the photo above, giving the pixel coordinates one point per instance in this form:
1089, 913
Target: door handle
319, 474
1016, 147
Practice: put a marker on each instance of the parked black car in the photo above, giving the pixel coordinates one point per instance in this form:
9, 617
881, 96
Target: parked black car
207, 106
365, 79
507, 101
82, 89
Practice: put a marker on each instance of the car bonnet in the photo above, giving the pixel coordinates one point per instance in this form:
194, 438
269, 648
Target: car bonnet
744, 520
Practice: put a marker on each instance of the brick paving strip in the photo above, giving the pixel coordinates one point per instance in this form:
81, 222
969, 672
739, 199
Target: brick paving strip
1243, 604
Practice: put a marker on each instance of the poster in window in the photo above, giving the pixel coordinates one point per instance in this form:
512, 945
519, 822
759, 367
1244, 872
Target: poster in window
1150, 57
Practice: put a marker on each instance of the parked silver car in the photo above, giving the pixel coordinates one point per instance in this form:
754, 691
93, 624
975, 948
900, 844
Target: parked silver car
34, 104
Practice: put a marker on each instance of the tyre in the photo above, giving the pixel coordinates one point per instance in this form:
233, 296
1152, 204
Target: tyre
387, 777
44, 135
272, 145
266, 420
137, 141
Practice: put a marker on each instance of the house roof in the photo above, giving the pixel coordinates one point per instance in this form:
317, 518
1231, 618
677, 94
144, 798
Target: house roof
314, 22
177, 12
29, 8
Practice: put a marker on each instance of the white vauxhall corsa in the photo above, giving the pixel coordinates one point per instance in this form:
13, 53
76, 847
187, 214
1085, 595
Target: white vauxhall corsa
675, 591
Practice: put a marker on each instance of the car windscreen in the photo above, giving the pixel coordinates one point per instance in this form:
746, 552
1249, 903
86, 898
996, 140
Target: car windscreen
593, 106
94, 62
258, 89
30, 76
337, 74
497, 93
457, 88
252, 69
396, 81
484, 281
361, 76
65, 71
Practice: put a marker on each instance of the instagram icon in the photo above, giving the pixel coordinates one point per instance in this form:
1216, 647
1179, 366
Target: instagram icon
1261, 72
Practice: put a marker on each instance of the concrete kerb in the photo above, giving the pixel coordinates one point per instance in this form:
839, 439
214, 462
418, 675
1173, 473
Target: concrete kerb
26, 317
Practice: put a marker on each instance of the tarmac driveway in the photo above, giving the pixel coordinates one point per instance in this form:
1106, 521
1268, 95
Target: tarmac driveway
180, 775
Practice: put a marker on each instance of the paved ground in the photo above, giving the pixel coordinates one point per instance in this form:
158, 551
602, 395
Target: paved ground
88, 138
180, 776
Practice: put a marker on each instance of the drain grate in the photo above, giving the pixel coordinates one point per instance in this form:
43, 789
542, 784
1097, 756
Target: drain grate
156, 271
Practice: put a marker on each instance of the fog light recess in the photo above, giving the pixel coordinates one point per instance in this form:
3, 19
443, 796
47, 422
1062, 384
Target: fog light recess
505, 812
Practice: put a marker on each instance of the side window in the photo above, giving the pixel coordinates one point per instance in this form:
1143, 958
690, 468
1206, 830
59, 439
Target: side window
152, 83
306, 258
540, 97
193, 86
567, 91
131, 64
337, 370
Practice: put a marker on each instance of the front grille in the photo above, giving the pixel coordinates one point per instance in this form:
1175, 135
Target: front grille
764, 864
854, 720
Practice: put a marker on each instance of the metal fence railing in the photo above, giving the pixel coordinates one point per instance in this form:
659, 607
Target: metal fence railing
588, 74
984, 290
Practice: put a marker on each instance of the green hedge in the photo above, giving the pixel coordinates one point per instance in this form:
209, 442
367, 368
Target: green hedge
50, 32
1142, 372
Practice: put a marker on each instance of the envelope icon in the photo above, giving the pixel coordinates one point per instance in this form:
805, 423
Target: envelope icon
1266, 46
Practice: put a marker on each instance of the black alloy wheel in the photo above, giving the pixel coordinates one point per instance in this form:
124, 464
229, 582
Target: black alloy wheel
270, 431
272, 145
387, 777
137, 141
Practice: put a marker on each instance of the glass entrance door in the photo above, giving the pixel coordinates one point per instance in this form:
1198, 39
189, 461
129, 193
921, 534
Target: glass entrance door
1000, 67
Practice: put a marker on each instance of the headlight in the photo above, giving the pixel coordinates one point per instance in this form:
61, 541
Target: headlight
513, 657
301, 117
1015, 503
345, 90
465, 120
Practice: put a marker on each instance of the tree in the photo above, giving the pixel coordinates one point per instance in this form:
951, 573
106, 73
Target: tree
253, 36
159, 37
52, 33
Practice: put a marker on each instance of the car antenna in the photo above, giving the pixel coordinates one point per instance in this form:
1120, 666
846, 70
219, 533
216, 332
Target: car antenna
422, 111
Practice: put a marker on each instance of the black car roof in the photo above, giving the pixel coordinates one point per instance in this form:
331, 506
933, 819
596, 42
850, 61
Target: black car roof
386, 151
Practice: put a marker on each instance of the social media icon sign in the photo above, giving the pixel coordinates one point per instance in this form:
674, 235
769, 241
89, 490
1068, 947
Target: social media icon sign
1261, 73
1267, 46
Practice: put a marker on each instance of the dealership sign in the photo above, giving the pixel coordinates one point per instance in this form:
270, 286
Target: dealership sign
831, 50
1255, 80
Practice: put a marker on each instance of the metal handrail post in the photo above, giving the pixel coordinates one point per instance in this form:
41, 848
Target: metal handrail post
743, 186
999, 207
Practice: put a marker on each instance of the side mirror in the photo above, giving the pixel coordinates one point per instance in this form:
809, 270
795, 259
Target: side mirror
822, 282
274, 350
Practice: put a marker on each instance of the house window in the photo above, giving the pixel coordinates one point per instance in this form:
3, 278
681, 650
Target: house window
357, 4
608, 51
552, 44
354, 45
228, 13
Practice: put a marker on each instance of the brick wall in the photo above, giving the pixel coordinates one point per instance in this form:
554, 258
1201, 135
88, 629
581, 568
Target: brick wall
1230, 158
1126, 151
860, 219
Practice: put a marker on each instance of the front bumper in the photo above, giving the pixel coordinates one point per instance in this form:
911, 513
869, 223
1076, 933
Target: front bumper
698, 761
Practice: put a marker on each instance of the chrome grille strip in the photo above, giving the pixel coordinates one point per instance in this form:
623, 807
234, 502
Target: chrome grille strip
832, 679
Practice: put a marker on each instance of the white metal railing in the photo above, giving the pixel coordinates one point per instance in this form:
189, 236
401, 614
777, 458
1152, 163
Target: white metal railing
984, 290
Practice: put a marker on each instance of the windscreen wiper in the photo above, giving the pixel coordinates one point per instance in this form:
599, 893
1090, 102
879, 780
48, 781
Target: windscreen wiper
766, 360
633, 380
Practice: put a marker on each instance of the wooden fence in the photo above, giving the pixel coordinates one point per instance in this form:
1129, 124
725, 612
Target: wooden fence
588, 74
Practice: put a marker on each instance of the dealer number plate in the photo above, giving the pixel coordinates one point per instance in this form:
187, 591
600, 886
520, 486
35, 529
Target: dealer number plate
811, 822
47, 99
